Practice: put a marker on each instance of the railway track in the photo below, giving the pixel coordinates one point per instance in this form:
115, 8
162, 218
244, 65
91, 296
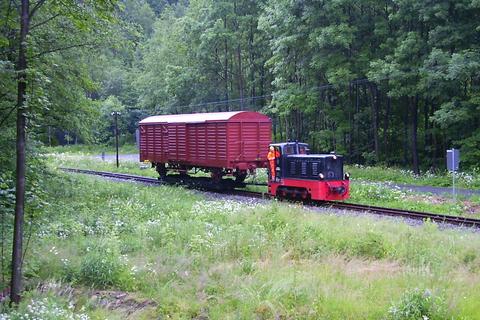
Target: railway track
410, 214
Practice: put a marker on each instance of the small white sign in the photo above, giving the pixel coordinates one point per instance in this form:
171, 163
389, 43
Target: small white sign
453, 159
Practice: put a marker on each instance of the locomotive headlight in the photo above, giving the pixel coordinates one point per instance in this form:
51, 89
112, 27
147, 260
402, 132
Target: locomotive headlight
321, 176
347, 176
334, 157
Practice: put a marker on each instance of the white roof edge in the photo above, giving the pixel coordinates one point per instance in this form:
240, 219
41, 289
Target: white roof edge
193, 117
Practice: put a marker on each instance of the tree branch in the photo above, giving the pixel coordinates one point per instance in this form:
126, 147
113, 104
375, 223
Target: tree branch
8, 115
36, 7
45, 21
28, 241
64, 48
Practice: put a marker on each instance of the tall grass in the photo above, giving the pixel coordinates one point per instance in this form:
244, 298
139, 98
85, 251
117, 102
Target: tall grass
217, 258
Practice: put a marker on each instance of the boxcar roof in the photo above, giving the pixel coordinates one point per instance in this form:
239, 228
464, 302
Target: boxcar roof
204, 117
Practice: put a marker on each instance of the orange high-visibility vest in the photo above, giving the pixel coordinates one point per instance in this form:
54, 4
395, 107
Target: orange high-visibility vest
272, 155
271, 159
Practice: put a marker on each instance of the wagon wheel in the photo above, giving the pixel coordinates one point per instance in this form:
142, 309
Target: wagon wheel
240, 176
162, 171
183, 172
216, 175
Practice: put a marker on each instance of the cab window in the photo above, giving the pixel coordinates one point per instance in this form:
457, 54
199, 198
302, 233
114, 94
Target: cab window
289, 149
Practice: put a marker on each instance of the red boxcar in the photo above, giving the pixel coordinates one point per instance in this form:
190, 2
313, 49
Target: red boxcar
221, 142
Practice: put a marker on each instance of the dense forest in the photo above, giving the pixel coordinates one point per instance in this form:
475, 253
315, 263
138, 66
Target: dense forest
391, 82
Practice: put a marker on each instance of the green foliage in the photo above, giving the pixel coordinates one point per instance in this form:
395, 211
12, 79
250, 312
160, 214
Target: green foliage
418, 304
371, 245
471, 147
102, 267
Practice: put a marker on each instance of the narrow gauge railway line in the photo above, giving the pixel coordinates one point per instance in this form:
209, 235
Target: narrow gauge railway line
439, 218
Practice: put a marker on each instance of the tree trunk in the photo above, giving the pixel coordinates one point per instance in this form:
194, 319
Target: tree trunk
225, 70
385, 126
356, 132
432, 135
49, 136
375, 111
315, 120
405, 133
239, 58
352, 127
274, 128
296, 120
280, 129
414, 107
287, 134
426, 130
253, 92
262, 85
16, 283
240, 76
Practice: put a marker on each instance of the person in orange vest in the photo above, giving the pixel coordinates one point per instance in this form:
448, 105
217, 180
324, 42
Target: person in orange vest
271, 156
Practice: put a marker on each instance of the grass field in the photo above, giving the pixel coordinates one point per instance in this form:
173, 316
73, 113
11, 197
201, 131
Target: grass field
109, 250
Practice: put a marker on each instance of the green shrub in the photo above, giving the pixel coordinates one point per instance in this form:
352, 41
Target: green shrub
102, 267
417, 304
371, 246
247, 266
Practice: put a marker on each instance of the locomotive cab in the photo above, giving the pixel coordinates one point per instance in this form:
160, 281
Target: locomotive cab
294, 173
281, 152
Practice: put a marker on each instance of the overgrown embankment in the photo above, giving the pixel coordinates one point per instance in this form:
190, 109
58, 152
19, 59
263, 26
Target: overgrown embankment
185, 256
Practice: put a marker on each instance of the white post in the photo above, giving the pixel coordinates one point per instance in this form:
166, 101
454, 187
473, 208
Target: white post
454, 193
453, 175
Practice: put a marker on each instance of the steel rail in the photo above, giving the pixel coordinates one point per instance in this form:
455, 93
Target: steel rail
122, 176
439, 218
